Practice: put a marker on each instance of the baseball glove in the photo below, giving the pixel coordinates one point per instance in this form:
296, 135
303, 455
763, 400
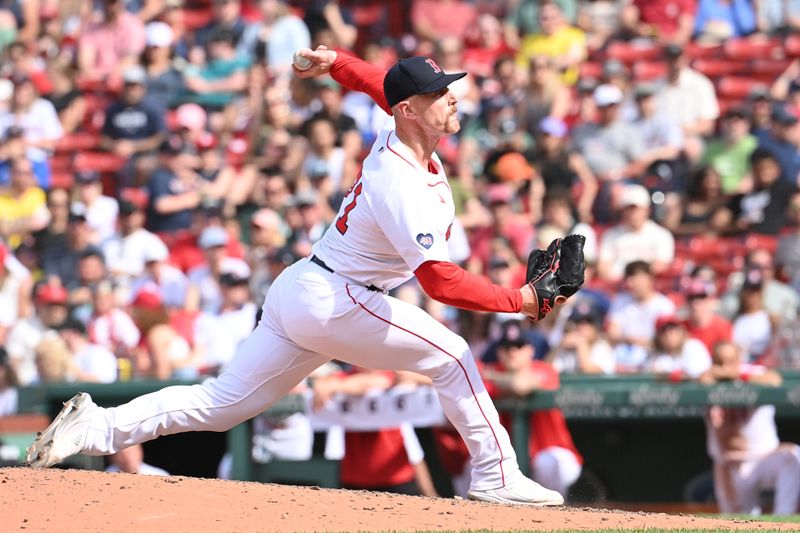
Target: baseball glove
556, 274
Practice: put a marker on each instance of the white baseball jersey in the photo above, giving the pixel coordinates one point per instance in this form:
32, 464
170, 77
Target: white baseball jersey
396, 216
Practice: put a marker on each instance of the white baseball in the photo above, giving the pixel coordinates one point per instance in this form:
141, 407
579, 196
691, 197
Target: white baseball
300, 62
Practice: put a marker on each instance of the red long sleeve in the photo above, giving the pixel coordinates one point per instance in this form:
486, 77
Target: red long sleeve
452, 285
358, 75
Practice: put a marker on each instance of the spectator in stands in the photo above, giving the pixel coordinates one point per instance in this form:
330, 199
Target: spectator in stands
217, 83
703, 322
506, 222
164, 83
54, 235
752, 327
787, 254
23, 205
631, 324
564, 44
780, 300
131, 461
775, 17
347, 134
546, 95
310, 226
743, 443
325, 159
480, 57
15, 291
279, 34
611, 147
221, 332
67, 100
583, 348
689, 97
662, 138
730, 153
760, 109
133, 126
559, 221
110, 326
125, 252
161, 278
101, 211
702, 209
162, 353
664, 22
599, 20
783, 141
434, 19
227, 181
54, 363
9, 396
764, 209
227, 18
50, 311
330, 24
37, 120
555, 462
386, 460
275, 190
523, 18
174, 190
560, 167
636, 237
204, 291
111, 45
93, 363
718, 20
60, 260
675, 353
266, 236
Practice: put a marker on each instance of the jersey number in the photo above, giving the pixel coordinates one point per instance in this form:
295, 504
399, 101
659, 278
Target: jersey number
341, 223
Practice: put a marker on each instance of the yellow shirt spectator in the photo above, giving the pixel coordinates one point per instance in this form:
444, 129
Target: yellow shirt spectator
22, 213
566, 42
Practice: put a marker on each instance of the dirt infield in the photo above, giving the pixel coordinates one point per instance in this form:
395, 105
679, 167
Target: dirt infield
73, 500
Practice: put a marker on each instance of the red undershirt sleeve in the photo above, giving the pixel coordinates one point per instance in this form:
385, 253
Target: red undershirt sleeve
358, 75
452, 285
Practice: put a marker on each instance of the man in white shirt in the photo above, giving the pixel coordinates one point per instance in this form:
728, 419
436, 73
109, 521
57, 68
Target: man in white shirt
100, 211
633, 315
93, 363
170, 283
636, 237
688, 97
125, 252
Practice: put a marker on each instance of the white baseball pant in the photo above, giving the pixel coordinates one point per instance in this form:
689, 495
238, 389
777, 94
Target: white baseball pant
556, 468
311, 316
737, 486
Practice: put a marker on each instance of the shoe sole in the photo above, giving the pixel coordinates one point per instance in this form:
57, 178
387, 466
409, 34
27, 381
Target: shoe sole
37, 456
493, 499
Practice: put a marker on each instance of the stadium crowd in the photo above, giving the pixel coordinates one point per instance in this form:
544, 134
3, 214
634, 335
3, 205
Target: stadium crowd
160, 165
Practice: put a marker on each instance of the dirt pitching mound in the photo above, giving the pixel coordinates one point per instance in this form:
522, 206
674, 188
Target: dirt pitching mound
75, 500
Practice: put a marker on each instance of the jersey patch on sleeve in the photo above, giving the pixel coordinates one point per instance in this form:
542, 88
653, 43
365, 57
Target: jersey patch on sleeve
425, 240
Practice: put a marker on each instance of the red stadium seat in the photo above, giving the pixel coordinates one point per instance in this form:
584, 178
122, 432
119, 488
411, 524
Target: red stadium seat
196, 18
77, 141
591, 69
61, 180
700, 51
736, 86
768, 70
752, 49
756, 241
631, 53
98, 161
716, 68
649, 70
792, 46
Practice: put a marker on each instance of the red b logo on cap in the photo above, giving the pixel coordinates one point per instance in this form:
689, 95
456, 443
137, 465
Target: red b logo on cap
433, 65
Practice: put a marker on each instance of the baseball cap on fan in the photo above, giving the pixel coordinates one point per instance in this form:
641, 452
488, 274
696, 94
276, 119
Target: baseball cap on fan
415, 75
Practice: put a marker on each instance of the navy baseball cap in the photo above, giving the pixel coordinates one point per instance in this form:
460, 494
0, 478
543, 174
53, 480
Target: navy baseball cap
415, 75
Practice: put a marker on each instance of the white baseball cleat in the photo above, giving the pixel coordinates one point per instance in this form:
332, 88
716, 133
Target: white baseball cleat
66, 436
523, 491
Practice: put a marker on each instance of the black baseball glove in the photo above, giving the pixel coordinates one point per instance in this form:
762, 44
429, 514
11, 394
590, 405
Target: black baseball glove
556, 274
